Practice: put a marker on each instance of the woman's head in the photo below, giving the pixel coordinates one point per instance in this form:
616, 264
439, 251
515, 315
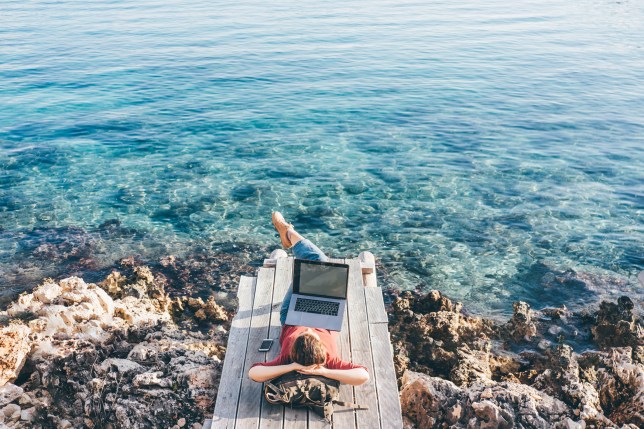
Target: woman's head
308, 349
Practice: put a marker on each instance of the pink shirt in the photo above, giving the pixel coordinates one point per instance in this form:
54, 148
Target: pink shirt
328, 338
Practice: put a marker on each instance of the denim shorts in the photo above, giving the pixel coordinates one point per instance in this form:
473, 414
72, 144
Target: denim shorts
303, 249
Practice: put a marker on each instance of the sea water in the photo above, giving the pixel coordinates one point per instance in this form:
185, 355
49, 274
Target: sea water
480, 147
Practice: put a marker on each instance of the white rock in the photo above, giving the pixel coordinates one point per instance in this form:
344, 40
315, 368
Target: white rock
544, 344
73, 297
14, 348
150, 379
487, 393
47, 292
73, 283
91, 332
51, 310
120, 365
25, 303
91, 303
141, 353
568, 423
106, 302
588, 412
11, 412
28, 414
555, 330
64, 424
9, 393
24, 399
139, 312
82, 312
54, 324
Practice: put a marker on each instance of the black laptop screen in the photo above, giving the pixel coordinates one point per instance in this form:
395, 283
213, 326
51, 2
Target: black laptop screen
322, 279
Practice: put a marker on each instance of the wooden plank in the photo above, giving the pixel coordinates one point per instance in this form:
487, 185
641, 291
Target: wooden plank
317, 422
375, 305
283, 278
232, 373
387, 388
272, 415
250, 396
344, 417
361, 348
295, 418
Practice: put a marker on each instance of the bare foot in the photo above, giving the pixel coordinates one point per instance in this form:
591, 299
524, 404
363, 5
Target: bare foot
282, 228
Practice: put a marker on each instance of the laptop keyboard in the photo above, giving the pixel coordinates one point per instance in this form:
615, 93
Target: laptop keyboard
328, 308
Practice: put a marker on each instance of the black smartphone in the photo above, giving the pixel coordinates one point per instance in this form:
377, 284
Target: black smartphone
266, 345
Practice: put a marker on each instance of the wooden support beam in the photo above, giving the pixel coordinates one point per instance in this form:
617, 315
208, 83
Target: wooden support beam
276, 254
368, 267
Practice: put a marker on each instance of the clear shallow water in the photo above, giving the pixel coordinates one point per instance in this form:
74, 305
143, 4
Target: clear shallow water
472, 146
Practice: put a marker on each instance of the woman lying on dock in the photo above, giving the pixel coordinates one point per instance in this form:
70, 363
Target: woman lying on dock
306, 350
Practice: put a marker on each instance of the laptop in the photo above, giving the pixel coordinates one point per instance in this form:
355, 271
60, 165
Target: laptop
319, 294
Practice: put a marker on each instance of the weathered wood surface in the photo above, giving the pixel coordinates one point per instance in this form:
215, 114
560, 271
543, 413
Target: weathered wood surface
232, 372
364, 339
250, 398
345, 417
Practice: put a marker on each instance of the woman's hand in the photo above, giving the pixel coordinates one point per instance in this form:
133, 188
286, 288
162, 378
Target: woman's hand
313, 370
294, 366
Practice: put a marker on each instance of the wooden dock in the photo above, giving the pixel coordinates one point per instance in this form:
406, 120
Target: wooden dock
364, 340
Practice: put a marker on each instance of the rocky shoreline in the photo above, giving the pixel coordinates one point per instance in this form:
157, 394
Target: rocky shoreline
135, 351
122, 353
459, 371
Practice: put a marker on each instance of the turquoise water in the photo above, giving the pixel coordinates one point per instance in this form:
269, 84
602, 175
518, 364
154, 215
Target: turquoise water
477, 146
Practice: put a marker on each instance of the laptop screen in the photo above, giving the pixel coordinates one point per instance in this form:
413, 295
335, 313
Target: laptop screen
323, 279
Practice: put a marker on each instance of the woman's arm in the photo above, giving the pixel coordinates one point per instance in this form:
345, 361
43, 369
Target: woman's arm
355, 376
263, 373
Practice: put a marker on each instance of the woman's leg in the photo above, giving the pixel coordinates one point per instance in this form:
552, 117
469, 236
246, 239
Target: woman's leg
302, 249
291, 239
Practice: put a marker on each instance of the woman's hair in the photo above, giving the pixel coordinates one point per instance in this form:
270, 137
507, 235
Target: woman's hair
308, 350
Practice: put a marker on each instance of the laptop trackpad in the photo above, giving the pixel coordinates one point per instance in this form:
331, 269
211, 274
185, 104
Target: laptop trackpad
308, 319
